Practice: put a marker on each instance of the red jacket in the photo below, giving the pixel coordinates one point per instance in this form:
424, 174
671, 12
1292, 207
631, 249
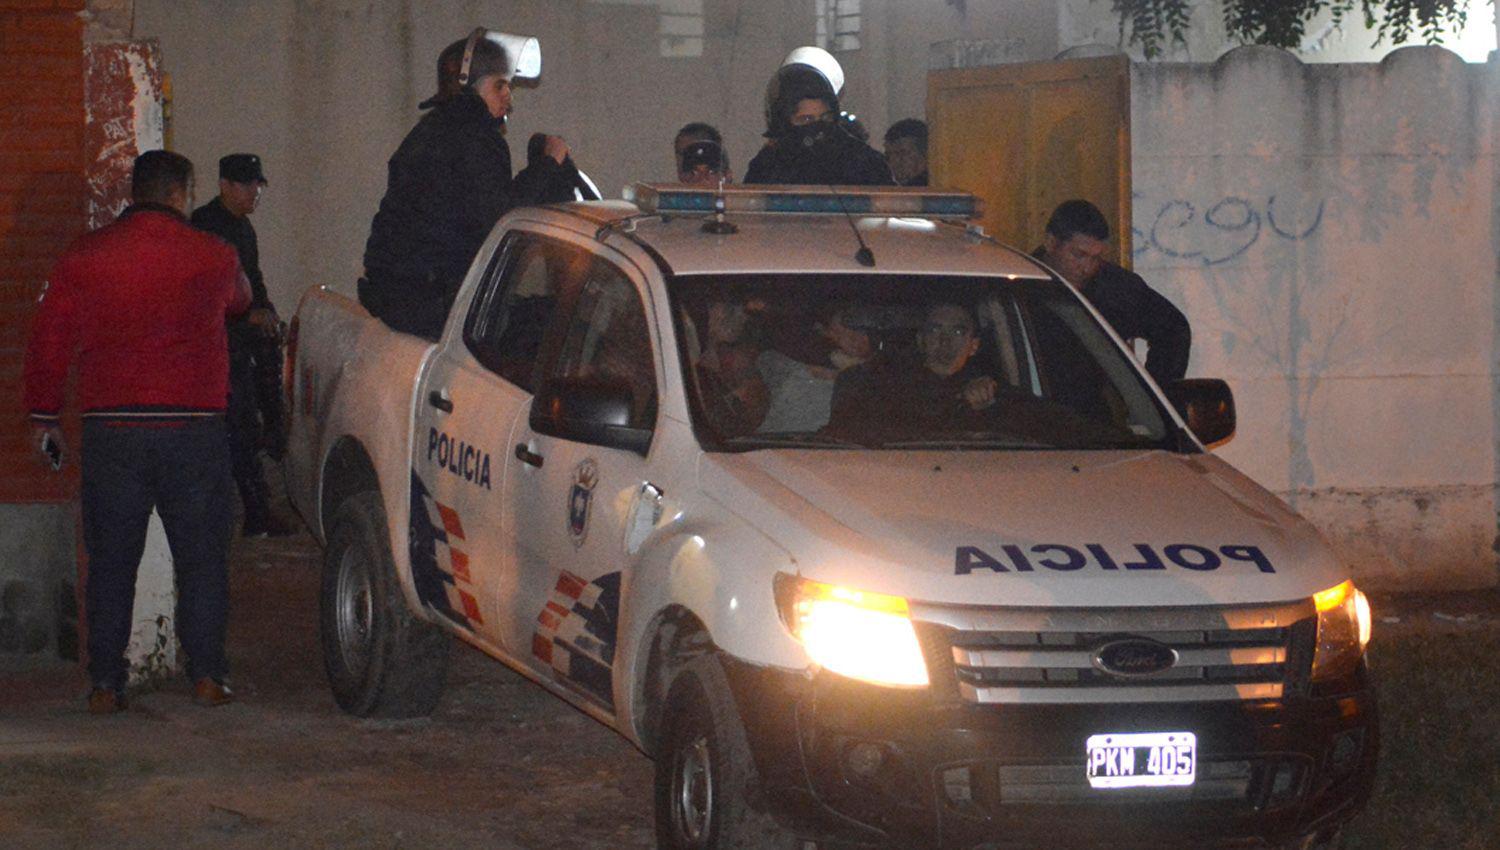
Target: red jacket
143, 302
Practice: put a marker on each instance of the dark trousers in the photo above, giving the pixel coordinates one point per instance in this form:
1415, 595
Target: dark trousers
244, 427
417, 306
182, 470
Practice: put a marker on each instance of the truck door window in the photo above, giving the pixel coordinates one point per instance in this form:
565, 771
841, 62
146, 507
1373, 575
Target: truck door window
516, 304
608, 338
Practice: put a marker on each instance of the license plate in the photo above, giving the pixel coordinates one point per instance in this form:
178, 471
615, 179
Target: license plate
1142, 759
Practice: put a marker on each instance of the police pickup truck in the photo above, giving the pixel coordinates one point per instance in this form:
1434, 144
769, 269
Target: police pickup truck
862, 525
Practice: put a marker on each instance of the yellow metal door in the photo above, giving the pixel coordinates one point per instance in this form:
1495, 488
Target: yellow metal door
1028, 136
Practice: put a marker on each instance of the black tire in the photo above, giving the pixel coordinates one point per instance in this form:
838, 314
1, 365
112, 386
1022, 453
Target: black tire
380, 659
705, 774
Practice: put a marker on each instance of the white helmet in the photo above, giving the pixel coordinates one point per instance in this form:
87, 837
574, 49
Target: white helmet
821, 61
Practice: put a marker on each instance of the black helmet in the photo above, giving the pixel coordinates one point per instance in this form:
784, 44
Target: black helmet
487, 58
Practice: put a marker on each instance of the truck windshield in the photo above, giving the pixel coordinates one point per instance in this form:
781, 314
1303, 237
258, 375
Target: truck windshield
905, 362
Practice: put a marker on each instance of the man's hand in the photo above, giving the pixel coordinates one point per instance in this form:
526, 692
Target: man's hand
556, 148
49, 445
980, 393
263, 319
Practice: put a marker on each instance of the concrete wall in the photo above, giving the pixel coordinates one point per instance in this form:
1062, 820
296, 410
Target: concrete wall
1332, 232
38, 568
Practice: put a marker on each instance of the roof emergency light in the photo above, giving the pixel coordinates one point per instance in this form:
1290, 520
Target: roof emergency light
663, 198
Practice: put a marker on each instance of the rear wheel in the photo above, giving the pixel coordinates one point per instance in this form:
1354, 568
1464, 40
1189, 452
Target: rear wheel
705, 773
381, 661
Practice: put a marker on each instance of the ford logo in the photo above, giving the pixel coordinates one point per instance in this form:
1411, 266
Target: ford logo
1134, 657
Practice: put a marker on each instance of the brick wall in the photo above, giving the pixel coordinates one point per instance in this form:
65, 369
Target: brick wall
42, 206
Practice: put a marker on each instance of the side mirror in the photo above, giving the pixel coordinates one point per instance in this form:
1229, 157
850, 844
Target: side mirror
1207, 406
589, 410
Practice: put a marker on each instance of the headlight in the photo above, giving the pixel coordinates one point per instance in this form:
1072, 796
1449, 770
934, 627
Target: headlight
861, 635
1343, 629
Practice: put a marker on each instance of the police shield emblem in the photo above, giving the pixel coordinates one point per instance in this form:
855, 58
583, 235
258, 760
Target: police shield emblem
580, 500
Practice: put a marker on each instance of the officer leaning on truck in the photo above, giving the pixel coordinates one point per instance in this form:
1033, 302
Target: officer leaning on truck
255, 416
142, 302
448, 184
1074, 245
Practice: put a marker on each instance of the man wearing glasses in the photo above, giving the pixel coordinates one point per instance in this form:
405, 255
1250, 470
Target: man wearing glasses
943, 388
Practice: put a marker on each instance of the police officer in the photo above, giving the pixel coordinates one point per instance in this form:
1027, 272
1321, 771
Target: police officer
906, 151
1074, 245
255, 418
808, 140
698, 150
448, 184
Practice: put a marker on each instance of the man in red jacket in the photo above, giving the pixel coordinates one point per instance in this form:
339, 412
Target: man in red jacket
142, 303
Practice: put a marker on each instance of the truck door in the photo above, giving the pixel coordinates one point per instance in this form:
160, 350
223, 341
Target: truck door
571, 502
478, 383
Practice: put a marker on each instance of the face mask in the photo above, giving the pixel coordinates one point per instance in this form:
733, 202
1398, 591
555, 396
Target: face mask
811, 135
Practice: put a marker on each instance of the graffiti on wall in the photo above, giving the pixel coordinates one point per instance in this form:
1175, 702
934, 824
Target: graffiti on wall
1258, 258
123, 106
1223, 229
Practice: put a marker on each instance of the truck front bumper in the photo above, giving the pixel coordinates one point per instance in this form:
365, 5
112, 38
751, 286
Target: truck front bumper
852, 764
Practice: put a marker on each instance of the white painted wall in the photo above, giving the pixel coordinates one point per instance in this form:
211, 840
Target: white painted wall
1331, 231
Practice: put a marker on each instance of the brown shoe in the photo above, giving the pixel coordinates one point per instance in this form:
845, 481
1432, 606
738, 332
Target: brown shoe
211, 694
106, 701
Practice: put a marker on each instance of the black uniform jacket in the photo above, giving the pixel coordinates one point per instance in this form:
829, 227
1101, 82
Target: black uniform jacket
447, 185
837, 160
215, 218
903, 397
1136, 311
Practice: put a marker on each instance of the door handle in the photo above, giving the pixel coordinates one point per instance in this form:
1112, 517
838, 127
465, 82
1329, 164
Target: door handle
441, 402
527, 456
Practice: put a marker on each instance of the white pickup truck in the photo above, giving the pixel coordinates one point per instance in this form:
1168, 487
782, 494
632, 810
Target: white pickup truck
862, 525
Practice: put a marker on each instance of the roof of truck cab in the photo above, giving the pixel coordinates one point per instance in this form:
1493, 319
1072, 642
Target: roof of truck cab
798, 242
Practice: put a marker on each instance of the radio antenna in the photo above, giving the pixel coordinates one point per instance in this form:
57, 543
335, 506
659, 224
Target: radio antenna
864, 256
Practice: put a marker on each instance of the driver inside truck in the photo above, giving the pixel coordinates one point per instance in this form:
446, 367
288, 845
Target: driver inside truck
941, 387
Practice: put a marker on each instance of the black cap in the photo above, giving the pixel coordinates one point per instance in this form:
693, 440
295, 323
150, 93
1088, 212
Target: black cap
241, 168
703, 152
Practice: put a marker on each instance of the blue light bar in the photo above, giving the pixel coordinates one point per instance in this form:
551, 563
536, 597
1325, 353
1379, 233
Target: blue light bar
916, 202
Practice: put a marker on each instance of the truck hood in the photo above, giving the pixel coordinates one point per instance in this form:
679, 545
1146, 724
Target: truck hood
1047, 529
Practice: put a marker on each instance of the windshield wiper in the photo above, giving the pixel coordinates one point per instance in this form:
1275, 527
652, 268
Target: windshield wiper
966, 443
792, 440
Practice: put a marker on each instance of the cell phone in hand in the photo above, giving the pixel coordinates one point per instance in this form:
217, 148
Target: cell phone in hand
53, 451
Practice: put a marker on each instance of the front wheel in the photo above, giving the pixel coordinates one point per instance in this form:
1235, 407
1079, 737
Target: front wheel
705, 773
381, 661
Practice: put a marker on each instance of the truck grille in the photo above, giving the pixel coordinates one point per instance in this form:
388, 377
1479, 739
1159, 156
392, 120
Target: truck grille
1029, 656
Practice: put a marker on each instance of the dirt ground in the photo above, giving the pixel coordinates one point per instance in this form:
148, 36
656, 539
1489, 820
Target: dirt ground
501, 764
